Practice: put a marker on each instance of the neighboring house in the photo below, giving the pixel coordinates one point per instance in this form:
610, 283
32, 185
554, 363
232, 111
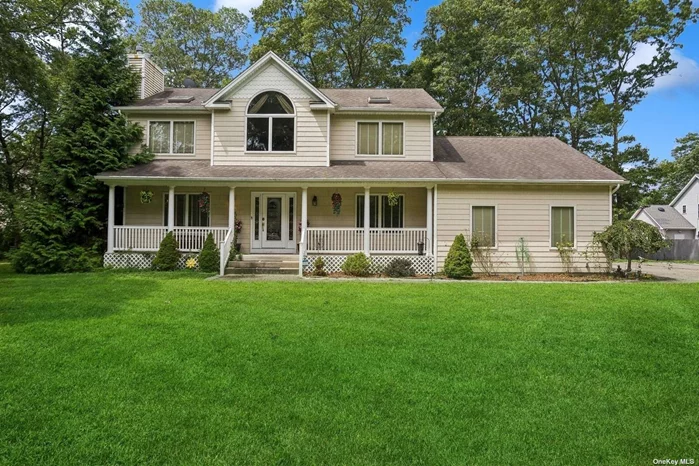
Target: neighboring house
275, 153
679, 219
665, 218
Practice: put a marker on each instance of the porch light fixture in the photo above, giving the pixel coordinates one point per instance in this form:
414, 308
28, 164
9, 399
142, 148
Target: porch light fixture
315, 201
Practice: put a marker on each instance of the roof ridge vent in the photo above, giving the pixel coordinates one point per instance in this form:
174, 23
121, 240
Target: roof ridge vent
379, 100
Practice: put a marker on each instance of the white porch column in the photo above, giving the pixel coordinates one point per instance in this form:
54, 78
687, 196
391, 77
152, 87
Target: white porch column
428, 246
171, 209
110, 221
231, 208
367, 220
304, 217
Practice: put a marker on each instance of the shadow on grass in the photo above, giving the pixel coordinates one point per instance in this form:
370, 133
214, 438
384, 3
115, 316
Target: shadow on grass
26, 299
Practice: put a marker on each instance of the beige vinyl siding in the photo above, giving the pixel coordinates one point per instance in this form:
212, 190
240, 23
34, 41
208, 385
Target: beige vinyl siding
310, 146
136, 65
202, 132
416, 145
523, 211
151, 214
149, 76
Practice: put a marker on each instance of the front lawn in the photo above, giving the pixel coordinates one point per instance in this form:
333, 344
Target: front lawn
119, 368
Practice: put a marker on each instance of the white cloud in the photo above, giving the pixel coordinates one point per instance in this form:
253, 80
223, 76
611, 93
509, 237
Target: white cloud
241, 5
685, 75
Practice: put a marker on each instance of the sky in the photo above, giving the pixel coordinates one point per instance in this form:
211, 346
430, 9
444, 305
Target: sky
670, 110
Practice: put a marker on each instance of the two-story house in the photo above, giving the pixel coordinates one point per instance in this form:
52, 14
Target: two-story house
680, 218
331, 172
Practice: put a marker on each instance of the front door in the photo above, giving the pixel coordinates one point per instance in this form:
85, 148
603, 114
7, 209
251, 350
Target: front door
273, 218
274, 221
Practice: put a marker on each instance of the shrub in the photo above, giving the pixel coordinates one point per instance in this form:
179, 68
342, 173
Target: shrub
319, 267
398, 268
209, 257
168, 255
458, 262
623, 237
357, 265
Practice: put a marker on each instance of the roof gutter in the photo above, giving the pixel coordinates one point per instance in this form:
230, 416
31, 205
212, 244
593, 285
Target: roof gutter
158, 109
358, 180
384, 110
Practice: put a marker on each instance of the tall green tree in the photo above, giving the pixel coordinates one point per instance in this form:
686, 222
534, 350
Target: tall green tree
335, 43
676, 173
63, 228
191, 42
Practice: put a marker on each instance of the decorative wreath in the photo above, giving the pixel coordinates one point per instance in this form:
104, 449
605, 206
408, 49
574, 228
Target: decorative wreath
146, 196
337, 203
238, 226
204, 202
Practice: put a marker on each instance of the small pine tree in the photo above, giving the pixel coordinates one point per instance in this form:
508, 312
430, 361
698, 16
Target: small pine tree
209, 257
168, 255
458, 262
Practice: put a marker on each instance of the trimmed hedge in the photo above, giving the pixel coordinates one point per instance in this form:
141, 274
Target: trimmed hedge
357, 265
209, 257
168, 254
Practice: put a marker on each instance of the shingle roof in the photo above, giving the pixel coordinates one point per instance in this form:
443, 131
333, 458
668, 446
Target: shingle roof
667, 217
160, 99
399, 99
456, 159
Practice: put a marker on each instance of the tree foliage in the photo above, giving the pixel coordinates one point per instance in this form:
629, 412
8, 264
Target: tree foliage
624, 237
345, 43
192, 42
89, 137
357, 265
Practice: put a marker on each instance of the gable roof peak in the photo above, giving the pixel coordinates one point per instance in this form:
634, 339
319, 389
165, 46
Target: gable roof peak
258, 66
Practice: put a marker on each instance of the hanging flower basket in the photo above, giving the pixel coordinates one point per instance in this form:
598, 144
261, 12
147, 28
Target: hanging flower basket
337, 203
393, 199
146, 196
204, 202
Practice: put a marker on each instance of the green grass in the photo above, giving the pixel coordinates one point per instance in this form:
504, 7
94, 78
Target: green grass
126, 368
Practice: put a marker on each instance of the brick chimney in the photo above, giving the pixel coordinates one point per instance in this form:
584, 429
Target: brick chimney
152, 76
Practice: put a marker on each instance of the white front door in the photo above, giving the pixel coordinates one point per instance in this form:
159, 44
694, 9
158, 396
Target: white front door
273, 216
275, 221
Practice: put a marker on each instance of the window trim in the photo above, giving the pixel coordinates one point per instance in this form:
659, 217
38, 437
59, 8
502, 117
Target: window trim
495, 214
379, 205
186, 210
575, 224
269, 116
380, 123
171, 121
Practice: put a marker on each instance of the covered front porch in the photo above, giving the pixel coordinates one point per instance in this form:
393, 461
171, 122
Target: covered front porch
305, 220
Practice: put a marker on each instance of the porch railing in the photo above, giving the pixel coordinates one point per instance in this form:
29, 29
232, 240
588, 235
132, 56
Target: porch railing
381, 240
225, 251
148, 238
138, 238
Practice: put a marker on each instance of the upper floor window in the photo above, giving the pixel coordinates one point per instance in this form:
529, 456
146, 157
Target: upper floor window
684, 209
379, 138
171, 137
270, 123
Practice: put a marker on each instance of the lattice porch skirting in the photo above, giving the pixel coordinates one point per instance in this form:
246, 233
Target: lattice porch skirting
423, 265
137, 260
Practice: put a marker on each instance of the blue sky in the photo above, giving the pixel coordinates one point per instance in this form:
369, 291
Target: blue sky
670, 110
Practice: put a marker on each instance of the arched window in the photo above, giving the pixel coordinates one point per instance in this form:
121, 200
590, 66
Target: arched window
270, 123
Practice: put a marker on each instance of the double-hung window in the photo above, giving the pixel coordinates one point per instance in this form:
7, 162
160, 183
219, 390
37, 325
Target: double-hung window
483, 228
270, 123
380, 138
171, 137
562, 227
381, 213
189, 211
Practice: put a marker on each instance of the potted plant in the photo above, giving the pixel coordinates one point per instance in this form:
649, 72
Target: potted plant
337, 203
393, 199
146, 196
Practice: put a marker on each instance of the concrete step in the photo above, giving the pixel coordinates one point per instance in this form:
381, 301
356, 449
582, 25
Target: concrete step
271, 257
261, 271
269, 264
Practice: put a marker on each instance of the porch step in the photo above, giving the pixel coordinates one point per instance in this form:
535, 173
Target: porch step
261, 264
